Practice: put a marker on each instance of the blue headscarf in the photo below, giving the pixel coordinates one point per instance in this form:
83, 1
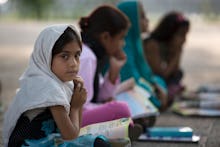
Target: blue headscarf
136, 65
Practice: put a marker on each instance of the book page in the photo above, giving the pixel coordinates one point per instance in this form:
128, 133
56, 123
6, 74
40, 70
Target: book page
192, 109
111, 129
138, 102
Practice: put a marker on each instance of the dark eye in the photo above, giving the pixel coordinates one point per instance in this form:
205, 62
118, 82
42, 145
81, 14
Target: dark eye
77, 55
65, 57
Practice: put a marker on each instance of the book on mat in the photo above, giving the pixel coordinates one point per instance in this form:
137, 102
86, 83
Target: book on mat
193, 139
197, 108
138, 101
211, 87
191, 95
170, 134
209, 91
111, 129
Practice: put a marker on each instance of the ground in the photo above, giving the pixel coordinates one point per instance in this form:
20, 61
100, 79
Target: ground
200, 63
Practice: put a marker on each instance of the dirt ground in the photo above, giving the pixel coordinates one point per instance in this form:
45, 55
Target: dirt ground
200, 60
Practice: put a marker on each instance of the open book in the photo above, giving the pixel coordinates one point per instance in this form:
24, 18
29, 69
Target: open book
111, 129
138, 100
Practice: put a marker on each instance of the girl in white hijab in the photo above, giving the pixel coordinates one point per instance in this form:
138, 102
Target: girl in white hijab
47, 101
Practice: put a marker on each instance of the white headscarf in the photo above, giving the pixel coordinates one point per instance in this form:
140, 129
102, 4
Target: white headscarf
39, 86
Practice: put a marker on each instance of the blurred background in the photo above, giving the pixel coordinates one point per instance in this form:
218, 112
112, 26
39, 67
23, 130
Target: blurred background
73, 9
22, 20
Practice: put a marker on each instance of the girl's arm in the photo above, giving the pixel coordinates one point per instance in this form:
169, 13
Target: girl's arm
172, 66
116, 64
112, 78
78, 99
174, 59
69, 124
152, 54
107, 89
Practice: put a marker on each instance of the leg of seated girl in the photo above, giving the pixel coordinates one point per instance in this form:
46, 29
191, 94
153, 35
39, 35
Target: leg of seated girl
105, 112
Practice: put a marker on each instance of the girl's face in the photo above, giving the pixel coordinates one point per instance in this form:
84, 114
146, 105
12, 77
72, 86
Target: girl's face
65, 65
114, 44
179, 37
143, 20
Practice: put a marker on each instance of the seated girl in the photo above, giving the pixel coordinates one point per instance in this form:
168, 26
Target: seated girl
51, 95
136, 65
163, 50
103, 33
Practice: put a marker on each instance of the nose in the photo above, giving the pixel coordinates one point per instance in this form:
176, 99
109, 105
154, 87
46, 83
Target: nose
72, 61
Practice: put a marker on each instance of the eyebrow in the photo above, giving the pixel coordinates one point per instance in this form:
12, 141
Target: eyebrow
68, 52
65, 52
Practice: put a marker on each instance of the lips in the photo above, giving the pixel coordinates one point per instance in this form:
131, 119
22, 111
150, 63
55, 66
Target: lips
72, 72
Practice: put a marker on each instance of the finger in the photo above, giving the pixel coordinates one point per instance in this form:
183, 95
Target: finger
78, 80
83, 90
77, 87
